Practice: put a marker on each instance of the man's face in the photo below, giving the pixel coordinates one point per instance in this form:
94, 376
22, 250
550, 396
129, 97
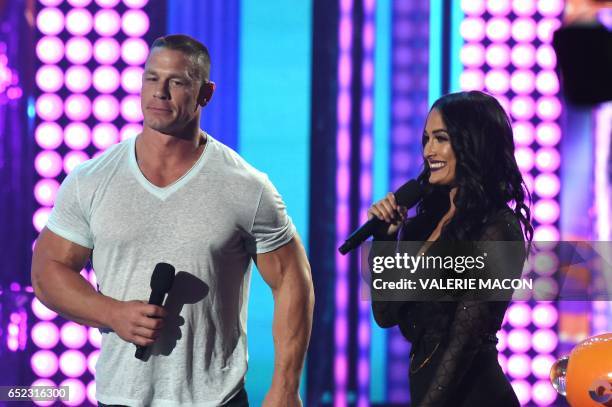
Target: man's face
170, 90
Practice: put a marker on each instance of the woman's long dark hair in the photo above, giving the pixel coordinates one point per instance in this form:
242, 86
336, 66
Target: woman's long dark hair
486, 173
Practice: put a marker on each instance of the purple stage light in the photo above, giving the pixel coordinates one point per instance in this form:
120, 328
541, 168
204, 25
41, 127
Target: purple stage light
498, 29
45, 191
546, 29
73, 159
522, 389
524, 30
472, 55
95, 337
135, 3
106, 51
92, 359
131, 79
49, 107
547, 159
41, 311
524, 158
48, 163
49, 78
522, 82
524, 8
73, 335
50, 50
547, 185
91, 392
48, 135
471, 79
50, 21
550, 8
473, 29
78, 79
107, 22
543, 393
77, 136
77, 107
40, 217
541, 364
546, 211
519, 340
79, 22
503, 362
523, 133
77, 392
104, 135
502, 340
546, 57
44, 363
547, 83
473, 7
134, 51
548, 134
523, 56
497, 81
129, 131
548, 108
44, 382
544, 340
522, 107
519, 315
130, 108
135, 23
106, 108
78, 50
546, 233
107, 3
50, 3
497, 55
72, 363
499, 7
79, 3
106, 79
45, 335
519, 366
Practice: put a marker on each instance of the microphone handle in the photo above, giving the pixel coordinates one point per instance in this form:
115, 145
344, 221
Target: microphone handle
156, 298
360, 235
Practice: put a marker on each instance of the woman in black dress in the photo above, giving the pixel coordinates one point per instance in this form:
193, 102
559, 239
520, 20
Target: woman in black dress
473, 192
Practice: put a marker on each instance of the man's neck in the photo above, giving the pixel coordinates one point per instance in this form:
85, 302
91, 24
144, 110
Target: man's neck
159, 150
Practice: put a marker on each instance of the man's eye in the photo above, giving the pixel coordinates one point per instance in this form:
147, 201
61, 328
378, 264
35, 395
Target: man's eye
177, 83
150, 79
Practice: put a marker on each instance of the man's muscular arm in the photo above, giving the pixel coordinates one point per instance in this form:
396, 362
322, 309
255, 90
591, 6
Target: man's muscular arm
287, 271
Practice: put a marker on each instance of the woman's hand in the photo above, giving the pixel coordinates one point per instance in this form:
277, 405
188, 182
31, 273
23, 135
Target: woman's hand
388, 211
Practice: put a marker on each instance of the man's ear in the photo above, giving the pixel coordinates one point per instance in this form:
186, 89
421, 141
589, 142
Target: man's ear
206, 92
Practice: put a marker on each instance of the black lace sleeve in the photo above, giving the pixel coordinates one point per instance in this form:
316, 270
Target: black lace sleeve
472, 321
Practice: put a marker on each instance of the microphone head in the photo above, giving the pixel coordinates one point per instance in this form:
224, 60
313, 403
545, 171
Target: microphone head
409, 194
162, 277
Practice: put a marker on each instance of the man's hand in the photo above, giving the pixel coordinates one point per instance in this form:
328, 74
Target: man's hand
280, 398
137, 322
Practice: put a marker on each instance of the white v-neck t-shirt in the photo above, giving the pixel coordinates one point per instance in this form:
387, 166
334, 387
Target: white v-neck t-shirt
207, 224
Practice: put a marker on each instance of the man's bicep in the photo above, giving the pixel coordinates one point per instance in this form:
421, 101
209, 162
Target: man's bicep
51, 247
277, 264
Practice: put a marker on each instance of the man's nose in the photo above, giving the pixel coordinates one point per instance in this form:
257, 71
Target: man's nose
161, 92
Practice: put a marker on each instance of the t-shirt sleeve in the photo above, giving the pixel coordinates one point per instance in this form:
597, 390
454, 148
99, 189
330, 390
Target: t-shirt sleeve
67, 219
272, 226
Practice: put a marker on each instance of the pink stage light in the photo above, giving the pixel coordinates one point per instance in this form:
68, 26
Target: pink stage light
49, 107
79, 3
522, 82
498, 55
547, 83
79, 21
95, 337
92, 359
104, 135
519, 315
41, 311
45, 335
91, 392
522, 389
471, 79
546, 28
51, 3
49, 78
472, 29
73, 159
44, 382
524, 158
546, 233
78, 50
50, 50
135, 3
543, 393
503, 362
107, 3
129, 131
523, 56
528, 178
106, 51
48, 163
546, 57
541, 364
548, 108
519, 366
40, 217
73, 363
107, 22
131, 79
76, 390
497, 81
48, 135
78, 79
498, 29
546, 211
50, 21
548, 134
523, 8
106, 79
547, 159
472, 55
502, 340
544, 340
519, 340
77, 136
522, 107
44, 363
547, 185
73, 335
134, 51
135, 23
545, 263
473, 7
106, 108
77, 107
544, 316
550, 8
45, 191
499, 7
524, 30
130, 108
523, 133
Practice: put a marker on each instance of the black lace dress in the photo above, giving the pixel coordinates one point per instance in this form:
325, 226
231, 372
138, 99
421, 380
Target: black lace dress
453, 355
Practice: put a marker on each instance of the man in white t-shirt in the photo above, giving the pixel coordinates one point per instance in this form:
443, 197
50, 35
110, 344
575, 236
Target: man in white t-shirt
174, 194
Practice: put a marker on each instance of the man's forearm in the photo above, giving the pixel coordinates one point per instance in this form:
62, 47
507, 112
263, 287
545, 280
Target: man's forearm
293, 308
65, 291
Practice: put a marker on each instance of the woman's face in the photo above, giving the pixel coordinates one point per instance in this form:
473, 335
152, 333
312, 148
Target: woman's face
437, 150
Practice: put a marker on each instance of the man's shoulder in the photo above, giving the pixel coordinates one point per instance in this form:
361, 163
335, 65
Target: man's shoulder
229, 163
99, 165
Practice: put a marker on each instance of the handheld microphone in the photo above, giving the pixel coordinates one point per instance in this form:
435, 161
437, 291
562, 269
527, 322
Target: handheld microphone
407, 195
161, 282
